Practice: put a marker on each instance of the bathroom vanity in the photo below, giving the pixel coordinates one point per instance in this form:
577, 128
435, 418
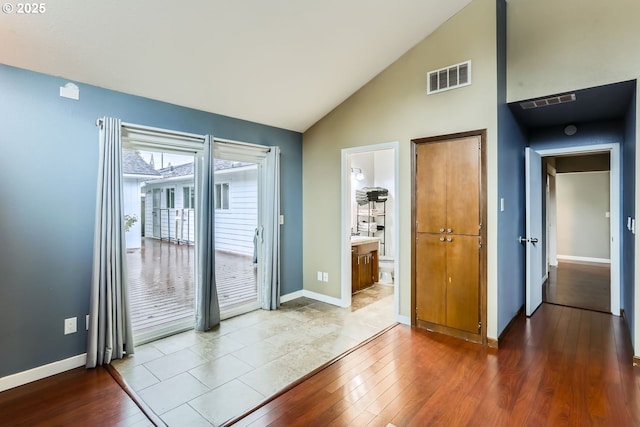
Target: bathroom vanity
364, 262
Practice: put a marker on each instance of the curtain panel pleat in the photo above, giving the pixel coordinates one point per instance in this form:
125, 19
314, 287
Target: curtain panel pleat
271, 231
110, 334
207, 307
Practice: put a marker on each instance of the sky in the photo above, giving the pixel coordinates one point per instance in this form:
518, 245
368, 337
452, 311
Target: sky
162, 160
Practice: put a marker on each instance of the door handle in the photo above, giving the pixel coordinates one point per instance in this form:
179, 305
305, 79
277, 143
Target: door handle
533, 240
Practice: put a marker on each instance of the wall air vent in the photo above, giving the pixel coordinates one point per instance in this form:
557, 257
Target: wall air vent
544, 102
450, 77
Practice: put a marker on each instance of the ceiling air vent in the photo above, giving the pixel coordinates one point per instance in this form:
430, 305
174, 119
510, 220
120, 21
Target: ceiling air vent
544, 102
450, 77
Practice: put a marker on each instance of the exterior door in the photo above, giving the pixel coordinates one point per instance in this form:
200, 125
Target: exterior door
533, 229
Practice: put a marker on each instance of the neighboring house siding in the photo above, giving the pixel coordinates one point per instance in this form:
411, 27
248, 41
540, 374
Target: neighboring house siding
167, 216
236, 226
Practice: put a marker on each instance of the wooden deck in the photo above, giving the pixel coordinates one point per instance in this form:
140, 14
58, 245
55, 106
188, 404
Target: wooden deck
161, 283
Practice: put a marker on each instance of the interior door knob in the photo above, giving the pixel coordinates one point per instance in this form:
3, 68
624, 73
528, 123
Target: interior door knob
533, 240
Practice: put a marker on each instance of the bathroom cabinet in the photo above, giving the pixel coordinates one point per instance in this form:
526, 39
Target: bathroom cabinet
364, 263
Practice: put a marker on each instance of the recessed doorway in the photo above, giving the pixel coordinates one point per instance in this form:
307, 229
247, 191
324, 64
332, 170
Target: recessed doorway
369, 224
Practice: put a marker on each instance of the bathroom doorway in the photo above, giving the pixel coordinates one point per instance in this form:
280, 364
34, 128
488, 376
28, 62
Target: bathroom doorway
369, 224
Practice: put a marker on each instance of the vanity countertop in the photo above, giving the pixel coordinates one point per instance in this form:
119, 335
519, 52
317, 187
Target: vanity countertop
363, 240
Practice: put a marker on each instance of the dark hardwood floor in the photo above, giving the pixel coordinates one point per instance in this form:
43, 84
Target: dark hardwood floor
80, 397
579, 284
562, 366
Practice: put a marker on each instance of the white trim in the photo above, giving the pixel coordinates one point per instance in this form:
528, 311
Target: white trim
291, 296
345, 189
584, 259
40, 372
239, 309
405, 320
323, 298
615, 218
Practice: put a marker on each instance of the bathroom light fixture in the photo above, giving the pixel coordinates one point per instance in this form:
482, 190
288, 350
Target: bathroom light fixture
357, 174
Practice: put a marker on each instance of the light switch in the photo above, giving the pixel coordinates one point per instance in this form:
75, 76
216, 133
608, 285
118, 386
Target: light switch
607, 214
501, 204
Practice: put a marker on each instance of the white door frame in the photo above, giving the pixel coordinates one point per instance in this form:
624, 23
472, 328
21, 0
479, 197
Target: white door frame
345, 208
614, 206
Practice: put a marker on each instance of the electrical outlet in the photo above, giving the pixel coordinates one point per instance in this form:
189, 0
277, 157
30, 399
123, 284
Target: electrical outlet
70, 325
325, 277
319, 276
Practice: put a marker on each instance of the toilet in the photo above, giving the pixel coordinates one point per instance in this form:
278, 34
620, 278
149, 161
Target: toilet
385, 269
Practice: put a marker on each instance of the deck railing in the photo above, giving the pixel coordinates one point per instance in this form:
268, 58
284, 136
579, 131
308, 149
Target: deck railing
179, 223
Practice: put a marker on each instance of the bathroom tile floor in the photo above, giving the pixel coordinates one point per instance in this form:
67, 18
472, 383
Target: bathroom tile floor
207, 378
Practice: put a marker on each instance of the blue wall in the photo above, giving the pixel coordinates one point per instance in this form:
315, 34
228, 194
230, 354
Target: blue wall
511, 143
48, 187
592, 133
629, 210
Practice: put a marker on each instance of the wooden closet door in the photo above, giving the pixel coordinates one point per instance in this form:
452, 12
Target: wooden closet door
463, 283
431, 188
431, 274
463, 186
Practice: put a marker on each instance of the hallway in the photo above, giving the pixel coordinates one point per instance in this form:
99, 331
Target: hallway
579, 284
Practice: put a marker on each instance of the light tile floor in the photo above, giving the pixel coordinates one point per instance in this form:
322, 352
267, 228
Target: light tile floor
207, 378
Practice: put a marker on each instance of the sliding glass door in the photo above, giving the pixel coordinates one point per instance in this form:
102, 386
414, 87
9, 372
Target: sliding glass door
239, 248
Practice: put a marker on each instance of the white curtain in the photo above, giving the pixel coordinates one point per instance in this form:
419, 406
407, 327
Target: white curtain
271, 231
207, 307
110, 335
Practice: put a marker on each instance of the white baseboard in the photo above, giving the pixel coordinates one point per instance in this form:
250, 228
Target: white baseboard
291, 296
584, 259
322, 298
40, 372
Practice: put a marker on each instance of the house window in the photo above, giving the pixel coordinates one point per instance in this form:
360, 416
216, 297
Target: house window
222, 196
188, 198
171, 198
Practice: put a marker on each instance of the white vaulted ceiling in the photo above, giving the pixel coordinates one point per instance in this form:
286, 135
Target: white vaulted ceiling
284, 63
